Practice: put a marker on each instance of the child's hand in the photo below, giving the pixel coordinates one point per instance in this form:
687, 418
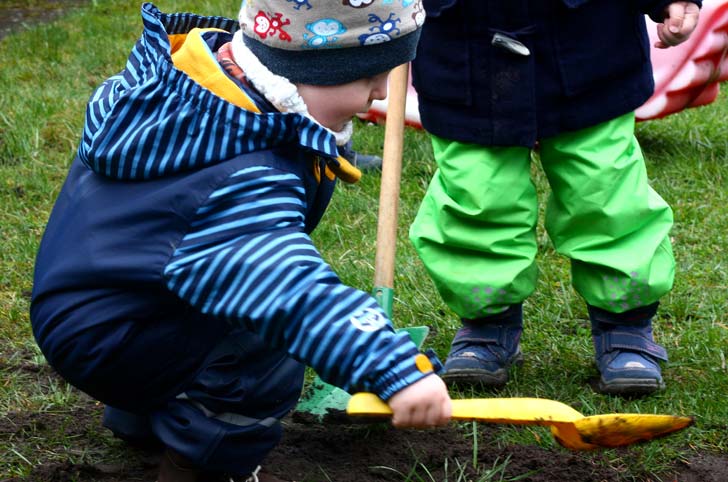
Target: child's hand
422, 404
681, 18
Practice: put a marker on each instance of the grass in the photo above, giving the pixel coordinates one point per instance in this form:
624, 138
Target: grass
50, 70
458, 473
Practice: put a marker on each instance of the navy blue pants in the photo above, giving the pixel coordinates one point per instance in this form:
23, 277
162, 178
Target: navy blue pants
212, 394
227, 420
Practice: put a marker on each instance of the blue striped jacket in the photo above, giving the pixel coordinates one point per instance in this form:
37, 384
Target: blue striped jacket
178, 193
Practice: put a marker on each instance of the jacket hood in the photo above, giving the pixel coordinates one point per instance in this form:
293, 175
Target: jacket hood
154, 119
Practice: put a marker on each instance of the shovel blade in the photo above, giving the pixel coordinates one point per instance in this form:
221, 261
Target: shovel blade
618, 430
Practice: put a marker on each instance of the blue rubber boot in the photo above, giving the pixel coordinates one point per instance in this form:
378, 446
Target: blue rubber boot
627, 356
359, 160
484, 349
133, 428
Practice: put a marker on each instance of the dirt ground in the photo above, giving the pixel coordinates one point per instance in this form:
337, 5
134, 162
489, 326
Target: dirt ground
71, 446
322, 452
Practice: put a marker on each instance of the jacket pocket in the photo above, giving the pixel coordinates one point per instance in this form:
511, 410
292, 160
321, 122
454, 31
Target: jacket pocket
599, 41
441, 70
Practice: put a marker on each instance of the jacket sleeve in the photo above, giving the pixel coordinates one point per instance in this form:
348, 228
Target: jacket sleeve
246, 258
654, 8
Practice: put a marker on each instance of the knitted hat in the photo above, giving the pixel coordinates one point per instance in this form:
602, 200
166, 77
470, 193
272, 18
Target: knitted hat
330, 42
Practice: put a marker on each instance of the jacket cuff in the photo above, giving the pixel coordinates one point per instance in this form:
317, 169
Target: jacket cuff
657, 12
411, 369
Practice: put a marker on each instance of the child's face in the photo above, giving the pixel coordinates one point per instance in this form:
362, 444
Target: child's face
334, 105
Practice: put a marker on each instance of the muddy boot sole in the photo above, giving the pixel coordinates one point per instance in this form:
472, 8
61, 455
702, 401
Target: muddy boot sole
629, 386
485, 378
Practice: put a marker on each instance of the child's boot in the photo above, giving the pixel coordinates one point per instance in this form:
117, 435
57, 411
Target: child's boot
484, 349
175, 468
627, 356
258, 476
134, 429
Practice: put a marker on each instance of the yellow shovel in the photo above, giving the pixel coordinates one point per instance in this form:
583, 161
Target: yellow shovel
569, 427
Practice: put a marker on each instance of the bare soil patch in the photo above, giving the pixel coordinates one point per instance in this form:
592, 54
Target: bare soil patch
330, 451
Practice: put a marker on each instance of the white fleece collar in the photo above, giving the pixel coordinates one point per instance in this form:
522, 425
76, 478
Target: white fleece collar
279, 91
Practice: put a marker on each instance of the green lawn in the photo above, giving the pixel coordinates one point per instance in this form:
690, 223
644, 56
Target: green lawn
48, 73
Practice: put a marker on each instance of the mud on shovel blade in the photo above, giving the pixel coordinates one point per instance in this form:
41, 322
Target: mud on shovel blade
569, 427
322, 398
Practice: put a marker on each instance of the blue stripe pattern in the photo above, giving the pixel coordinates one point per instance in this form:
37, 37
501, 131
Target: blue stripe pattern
152, 120
246, 262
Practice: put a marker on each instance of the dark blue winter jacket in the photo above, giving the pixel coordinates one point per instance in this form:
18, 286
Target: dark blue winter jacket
589, 62
185, 205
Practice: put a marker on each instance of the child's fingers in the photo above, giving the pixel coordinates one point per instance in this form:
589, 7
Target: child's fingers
690, 20
404, 418
666, 38
681, 19
422, 416
675, 16
415, 417
445, 411
425, 403
660, 43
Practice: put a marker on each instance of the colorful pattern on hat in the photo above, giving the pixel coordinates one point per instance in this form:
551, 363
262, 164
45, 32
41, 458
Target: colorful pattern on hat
331, 41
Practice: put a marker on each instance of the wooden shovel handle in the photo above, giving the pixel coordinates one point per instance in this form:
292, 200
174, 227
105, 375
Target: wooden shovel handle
391, 175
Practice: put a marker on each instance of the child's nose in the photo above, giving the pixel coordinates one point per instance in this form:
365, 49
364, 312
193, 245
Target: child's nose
379, 92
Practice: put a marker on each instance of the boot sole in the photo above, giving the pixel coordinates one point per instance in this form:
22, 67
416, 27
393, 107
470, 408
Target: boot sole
630, 386
476, 377
486, 378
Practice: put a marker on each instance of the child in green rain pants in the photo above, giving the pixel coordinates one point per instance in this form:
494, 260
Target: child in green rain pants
565, 75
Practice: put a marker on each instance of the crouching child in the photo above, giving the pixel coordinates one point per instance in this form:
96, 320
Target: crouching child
176, 281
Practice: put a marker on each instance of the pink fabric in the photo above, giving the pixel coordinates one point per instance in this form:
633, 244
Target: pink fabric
689, 75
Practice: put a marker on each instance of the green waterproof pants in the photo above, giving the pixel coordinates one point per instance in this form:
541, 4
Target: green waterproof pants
476, 228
